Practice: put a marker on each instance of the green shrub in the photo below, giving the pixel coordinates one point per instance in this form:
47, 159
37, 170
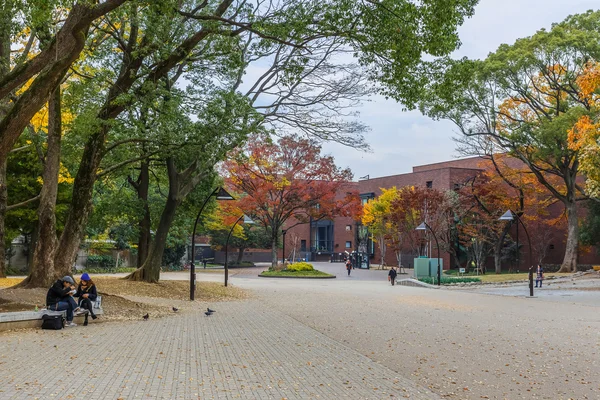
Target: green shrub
102, 262
447, 280
300, 266
119, 270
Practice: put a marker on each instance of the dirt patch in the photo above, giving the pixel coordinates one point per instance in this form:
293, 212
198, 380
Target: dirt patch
127, 300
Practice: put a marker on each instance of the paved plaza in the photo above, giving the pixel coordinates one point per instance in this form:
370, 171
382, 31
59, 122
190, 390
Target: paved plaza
243, 351
354, 338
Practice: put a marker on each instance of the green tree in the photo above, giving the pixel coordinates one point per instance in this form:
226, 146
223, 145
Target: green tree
139, 50
590, 229
523, 100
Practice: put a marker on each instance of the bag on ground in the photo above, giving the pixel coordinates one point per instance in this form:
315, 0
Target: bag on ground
53, 322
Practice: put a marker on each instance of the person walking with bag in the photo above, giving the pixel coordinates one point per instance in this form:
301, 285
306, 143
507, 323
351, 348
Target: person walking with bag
392, 275
348, 266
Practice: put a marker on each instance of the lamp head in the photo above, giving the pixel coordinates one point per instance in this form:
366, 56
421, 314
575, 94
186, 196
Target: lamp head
507, 216
248, 220
421, 227
223, 195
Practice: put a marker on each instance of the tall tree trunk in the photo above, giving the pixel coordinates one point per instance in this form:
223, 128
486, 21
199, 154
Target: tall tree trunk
145, 222
81, 202
498, 249
42, 270
569, 263
5, 17
3, 202
141, 186
150, 270
274, 249
382, 250
240, 255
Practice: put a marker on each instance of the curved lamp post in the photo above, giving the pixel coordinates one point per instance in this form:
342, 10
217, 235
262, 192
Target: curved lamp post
246, 221
423, 227
510, 216
220, 194
284, 231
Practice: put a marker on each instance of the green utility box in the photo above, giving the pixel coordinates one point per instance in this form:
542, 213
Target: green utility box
433, 265
422, 267
427, 267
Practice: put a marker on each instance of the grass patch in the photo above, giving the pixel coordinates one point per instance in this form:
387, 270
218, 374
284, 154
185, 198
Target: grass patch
297, 274
448, 280
8, 282
523, 276
121, 270
492, 277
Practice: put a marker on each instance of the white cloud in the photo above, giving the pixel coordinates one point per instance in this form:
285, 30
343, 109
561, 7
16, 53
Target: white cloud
401, 140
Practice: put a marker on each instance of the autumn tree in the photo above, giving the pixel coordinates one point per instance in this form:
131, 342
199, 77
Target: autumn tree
288, 180
244, 236
584, 136
413, 206
523, 100
376, 216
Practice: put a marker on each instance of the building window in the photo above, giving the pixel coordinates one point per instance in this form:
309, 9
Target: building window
348, 228
457, 186
551, 247
348, 244
303, 245
429, 184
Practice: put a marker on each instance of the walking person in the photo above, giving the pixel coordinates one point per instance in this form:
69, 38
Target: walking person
348, 266
392, 275
539, 277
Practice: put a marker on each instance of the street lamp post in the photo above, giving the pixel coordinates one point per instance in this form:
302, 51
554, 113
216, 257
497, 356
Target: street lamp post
424, 226
246, 221
284, 231
220, 194
510, 216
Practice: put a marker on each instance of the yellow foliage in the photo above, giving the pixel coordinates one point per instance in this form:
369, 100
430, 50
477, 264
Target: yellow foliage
589, 82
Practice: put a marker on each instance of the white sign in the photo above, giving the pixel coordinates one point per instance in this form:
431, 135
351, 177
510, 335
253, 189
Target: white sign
461, 270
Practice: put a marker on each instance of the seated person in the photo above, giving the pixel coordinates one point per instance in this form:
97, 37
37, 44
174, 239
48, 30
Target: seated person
86, 291
60, 298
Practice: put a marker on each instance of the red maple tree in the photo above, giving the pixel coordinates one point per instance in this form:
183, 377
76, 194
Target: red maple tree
289, 182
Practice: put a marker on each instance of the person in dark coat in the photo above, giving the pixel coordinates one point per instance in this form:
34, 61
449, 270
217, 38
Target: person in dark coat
392, 275
87, 293
539, 275
60, 298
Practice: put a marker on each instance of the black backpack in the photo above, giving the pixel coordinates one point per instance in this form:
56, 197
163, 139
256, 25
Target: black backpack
54, 322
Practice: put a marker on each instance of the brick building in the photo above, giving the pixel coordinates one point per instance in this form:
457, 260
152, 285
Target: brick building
323, 239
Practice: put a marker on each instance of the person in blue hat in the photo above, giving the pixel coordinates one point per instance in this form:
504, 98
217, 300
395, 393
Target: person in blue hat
87, 293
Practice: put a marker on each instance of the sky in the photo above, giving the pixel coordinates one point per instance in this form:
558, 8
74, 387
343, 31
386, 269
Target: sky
401, 140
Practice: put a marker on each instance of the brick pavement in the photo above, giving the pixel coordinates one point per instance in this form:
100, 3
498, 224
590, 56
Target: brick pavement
244, 351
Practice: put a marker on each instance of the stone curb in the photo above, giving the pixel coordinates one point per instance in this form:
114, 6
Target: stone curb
299, 277
415, 283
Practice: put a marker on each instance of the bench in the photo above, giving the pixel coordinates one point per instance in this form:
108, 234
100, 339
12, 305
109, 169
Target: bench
33, 319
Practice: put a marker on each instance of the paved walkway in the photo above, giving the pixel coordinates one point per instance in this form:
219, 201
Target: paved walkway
244, 351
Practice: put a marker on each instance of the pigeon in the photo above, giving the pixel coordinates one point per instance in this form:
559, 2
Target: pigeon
146, 317
210, 311
207, 313
175, 309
